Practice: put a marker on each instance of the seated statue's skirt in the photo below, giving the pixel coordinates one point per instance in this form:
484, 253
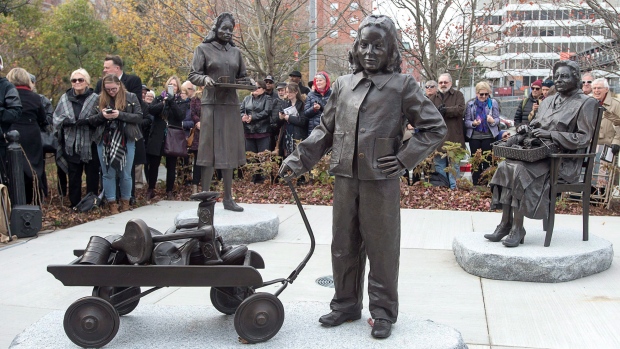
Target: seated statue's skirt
524, 186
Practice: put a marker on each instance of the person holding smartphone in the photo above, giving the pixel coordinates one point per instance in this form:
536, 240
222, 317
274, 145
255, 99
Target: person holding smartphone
317, 99
117, 118
166, 111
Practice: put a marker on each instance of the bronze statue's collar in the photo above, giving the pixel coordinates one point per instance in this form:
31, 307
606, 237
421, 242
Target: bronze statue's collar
220, 46
379, 80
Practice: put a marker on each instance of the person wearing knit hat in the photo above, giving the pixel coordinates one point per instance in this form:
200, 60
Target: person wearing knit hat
529, 104
546, 87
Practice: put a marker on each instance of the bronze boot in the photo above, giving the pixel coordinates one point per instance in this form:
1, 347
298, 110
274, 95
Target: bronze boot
515, 237
499, 233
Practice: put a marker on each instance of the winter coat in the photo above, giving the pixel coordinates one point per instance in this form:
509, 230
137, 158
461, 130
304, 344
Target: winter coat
454, 103
470, 116
10, 106
164, 113
611, 117
71, 123
29, 126
523, 111
314, 116
260, 109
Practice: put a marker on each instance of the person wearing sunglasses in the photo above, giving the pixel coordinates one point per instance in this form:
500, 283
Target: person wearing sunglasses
481, 123
529, 103
77, 152
586, 83
430, 88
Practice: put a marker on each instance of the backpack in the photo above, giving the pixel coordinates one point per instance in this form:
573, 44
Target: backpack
5, 213
89, 202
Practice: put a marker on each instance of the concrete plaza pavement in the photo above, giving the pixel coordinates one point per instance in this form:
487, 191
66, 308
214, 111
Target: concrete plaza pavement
583, 313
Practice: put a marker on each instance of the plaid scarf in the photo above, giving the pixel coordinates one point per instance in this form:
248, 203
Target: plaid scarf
115, 145
77, 137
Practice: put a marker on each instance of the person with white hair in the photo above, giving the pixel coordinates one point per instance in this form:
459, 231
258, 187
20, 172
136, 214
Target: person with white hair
607, 135
77, 152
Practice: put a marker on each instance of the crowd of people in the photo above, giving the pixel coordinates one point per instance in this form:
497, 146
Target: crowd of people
477, 121
113, 131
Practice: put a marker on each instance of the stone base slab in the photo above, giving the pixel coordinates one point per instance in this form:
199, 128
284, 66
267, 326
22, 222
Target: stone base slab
251, 225
568, 257
163, 327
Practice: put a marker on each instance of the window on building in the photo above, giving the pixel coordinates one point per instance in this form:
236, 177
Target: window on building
333, 20
535, 15
353, 33
527, 15
333, 6
354, 6
333, 34
354, 20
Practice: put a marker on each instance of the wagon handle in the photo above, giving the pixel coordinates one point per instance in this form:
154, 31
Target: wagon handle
297, 270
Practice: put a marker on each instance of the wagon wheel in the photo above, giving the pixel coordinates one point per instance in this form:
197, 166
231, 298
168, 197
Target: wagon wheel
91, 322
226, 304
106, 293
259, 317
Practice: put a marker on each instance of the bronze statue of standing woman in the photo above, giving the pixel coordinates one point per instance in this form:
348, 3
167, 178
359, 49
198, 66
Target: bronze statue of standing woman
221, 144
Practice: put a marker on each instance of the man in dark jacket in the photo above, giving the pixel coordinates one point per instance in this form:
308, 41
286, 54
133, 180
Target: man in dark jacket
10, 110
270, 87
451, 106
295, 77
113, 64
531, 103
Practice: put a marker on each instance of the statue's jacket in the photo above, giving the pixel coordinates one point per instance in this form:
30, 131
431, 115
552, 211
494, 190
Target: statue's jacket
364, 120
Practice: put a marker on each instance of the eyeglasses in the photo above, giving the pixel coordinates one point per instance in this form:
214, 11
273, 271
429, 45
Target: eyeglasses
269, 82
535, 88
111, 90
483, 94
80, 80
430, 86
586, 82
444, 82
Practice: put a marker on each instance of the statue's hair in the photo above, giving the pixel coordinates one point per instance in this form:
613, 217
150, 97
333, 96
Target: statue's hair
212, 35
385, 23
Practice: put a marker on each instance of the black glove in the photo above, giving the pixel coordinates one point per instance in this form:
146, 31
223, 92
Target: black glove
615, 148
81, 122
442, 110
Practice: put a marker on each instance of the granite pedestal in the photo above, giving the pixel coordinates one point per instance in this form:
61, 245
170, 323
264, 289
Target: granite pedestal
251, 225
568, 257
158, 326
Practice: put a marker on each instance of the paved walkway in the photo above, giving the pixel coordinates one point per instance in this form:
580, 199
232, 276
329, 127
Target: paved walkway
584, 313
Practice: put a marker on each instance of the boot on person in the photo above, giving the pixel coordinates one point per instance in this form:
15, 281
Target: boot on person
113, 206
194, 189
125, 206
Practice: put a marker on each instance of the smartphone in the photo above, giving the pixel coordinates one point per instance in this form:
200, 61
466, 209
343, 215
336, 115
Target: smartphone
170, 90
108, 111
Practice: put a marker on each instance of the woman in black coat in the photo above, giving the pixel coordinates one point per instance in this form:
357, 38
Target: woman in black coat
317, 99
165, 110
256, 117
29, 126
295, 123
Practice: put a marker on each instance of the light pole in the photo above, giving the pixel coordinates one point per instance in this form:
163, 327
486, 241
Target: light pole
313, 50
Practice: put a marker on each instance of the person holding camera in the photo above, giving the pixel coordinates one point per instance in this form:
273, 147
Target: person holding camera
317, 98
166, 111
117, 118
77, 153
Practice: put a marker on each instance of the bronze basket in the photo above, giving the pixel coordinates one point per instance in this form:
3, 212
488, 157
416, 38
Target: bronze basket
528, 155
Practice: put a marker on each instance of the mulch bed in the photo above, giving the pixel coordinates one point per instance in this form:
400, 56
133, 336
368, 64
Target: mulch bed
58, 215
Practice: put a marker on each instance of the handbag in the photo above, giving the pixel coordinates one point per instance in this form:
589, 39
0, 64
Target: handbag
49, 141
194, 136
88, 202
176, 142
